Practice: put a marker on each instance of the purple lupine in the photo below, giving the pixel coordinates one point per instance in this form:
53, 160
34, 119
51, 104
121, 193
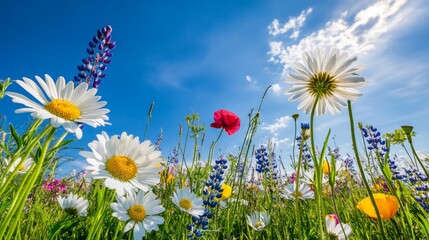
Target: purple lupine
158, 142
306, 156
272, 165
173, 159
419, 185
212, 193
95, 64
374, 140
262, 161
348, 164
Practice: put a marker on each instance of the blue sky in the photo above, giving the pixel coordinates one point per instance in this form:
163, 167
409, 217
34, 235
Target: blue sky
201, 56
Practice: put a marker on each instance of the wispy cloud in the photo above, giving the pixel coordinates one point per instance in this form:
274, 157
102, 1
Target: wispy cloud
362, 34
280, 123
279, 142
276, 88
294, 24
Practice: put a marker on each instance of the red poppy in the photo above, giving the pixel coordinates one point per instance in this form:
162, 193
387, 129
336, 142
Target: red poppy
226, 120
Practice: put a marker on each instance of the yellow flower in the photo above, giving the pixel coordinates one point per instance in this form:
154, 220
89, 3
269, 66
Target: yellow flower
226, 193
387, 206
326, 168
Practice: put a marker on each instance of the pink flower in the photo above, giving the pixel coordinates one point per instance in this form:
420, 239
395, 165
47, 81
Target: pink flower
226, 120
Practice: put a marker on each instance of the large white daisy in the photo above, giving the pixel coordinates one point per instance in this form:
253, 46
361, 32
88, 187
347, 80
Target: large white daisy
125, 163
188, 202
65, 106
327, 74
335, 229
74, 205
258, 220
304, 191
22, 168
140, 209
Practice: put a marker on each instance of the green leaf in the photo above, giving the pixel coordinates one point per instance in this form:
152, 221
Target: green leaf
15, 136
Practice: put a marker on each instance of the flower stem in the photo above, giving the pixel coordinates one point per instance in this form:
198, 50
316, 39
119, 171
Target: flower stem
317, 171
19, 201
368, 189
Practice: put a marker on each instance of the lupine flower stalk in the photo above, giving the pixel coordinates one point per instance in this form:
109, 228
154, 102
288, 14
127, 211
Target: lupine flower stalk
95, 64
212, 195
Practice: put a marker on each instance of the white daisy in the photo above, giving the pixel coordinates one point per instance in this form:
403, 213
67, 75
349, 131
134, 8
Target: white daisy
258, 220
304, 191
333, 227
187, 201
22, 168
125, 163
327, 74
74, 205
140, 209
67, 106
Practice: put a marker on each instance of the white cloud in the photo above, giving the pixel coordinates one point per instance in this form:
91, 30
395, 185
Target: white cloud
276, 88
294, 24
248, 78
280, 123
277, 142
364, 33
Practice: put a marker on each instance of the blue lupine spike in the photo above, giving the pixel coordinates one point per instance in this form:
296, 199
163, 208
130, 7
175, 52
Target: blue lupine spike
99, 52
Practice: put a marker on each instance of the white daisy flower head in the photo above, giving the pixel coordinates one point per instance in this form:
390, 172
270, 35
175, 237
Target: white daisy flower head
308, 177
74, 205
258, 220
22, 168
140, 209
334, 229
327, 74
188, 202
65, 105
304, 192
126, 164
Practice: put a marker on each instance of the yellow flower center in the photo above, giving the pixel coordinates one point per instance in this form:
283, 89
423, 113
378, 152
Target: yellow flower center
121, 167
322, 83
185, 203
299, 194
64, 109
137, 213
258, 224
21, 168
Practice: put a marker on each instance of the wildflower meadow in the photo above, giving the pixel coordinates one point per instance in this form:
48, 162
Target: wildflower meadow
131, 189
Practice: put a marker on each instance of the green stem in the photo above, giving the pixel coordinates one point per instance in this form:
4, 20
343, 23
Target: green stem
368, 189
298, 176
212, 146
17, 206
28, 151
415, 154
317, 172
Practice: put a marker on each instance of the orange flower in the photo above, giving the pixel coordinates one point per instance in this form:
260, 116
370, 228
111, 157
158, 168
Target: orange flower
387, 206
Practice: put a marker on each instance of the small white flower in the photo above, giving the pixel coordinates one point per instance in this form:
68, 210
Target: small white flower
258, 220
74, 205
333, 227
23, 168
140, 209
65, 106
304, 191
125, 163
188, 202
